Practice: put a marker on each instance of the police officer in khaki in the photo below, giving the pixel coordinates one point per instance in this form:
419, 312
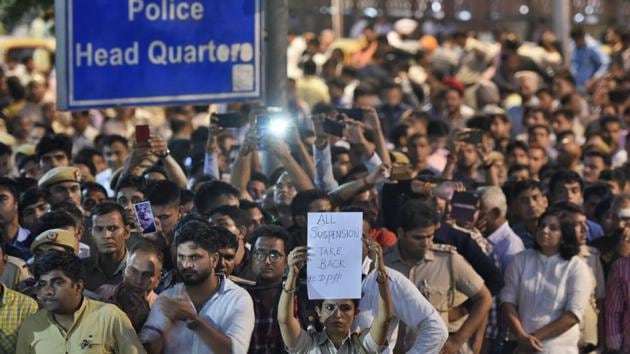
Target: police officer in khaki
440, 273
62, 184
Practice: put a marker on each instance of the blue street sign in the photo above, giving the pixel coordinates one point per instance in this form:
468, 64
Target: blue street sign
157, 52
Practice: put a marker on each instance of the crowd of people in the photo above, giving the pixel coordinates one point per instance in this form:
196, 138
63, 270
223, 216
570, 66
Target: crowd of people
492, 177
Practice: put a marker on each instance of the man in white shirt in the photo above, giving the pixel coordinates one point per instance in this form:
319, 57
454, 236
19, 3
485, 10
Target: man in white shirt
422, 329
208, 313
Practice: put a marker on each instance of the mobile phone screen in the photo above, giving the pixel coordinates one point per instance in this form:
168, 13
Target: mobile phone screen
352, 113
145, 217
142, 133
333, 127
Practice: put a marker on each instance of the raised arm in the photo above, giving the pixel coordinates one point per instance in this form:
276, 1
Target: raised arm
324, 177
173, 170
303, 156
373, 123
242, 169
289, 325
280, 149
380, 326
347, 190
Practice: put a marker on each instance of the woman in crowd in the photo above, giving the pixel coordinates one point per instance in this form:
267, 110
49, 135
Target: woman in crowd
336, 315
547, 289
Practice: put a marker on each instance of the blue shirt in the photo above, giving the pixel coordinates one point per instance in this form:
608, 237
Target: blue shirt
585, 62
470, 250
528, 239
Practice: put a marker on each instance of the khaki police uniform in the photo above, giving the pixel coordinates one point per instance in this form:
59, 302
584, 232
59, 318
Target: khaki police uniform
58, 175
59, 237
446, 279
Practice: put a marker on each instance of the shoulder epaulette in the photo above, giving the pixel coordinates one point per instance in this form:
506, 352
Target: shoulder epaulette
444, 248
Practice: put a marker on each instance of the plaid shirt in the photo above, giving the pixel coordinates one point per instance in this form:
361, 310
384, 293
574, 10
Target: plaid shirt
266, 338
14, 308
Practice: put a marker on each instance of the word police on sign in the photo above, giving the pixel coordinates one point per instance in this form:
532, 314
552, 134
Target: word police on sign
143, 52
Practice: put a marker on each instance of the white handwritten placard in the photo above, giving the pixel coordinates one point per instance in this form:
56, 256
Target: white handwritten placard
334, 265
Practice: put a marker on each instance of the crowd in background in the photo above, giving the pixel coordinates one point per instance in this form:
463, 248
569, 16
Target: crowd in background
491, 174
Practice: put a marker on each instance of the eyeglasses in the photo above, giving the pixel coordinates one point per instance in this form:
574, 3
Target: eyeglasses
261, 256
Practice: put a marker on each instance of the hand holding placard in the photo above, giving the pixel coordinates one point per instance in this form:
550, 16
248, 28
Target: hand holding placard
334, 268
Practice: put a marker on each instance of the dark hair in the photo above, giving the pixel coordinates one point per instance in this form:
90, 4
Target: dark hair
577, 32
309, 67
567, 207
66, 262
109, 207
598, 153
531, 129
28, 198
516, 144
598, 189
57, 219
517, 167
415, 214
164, 192
480, 122
70, 208
369, 214
199, 231
335, 151
131, 181
82, 161
437, 128
236, 214
87, 187
109, 140
520, 187
225, 239
208, 192
155, 169
569, 246
603, 121
148, 246
303, 199
10, 185
5, 149
258, 176
273, 231
54, 142
186, 196
563, 177
564, 112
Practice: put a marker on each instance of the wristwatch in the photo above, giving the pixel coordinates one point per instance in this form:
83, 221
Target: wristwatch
166, 153
192, 323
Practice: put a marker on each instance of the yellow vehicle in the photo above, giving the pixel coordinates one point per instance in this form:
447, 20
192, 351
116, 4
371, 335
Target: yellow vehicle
17, 48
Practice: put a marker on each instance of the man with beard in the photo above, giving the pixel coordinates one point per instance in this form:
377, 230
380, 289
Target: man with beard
62, 184
207, 313
70, 320
270, 245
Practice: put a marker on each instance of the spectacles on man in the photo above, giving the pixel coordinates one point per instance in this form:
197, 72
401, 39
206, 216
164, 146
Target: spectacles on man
261, 256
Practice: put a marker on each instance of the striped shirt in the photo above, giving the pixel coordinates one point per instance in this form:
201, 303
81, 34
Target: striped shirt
617, 320
14, 308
